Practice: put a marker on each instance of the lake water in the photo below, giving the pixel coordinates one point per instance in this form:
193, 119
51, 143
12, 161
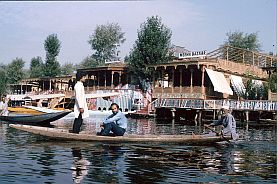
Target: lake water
27, 158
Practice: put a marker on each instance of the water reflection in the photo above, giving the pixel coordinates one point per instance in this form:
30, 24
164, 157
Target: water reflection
47, 161
79, 167
107, 163
28, 158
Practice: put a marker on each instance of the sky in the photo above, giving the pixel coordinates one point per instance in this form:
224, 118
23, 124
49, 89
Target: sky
195, 24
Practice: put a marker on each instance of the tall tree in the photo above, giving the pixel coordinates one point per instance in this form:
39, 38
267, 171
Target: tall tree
152, 46
105, 40
52, 47
239, 41
3, 81
15, 71
243, 40
68, 69
89, 62
36, 67
255, 91
272, 82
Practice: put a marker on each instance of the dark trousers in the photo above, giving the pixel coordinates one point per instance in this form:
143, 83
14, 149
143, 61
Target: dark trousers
117, 130
77, 124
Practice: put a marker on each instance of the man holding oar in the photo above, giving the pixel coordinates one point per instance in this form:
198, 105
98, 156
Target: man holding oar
229, 123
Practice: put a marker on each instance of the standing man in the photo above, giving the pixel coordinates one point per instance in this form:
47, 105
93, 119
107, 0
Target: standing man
117, 123
80, 107
5, 111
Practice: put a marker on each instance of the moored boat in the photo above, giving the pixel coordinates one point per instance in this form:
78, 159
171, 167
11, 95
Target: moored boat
23, 110
40, 119
62, 134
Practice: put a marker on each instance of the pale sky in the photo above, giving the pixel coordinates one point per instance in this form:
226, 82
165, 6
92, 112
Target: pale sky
195, 24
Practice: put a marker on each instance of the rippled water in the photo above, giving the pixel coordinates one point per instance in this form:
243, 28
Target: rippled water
26, 158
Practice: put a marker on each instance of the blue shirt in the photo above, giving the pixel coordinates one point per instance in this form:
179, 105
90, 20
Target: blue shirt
118, 118
229, 124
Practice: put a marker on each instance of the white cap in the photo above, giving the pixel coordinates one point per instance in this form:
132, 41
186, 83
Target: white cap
225, 107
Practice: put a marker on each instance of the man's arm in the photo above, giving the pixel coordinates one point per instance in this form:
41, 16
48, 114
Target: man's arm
218, 122
113, 119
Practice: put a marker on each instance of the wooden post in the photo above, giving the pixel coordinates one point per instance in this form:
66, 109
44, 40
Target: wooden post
199, 117
203, 80
173, 126
50, 85
119, 80
214, 111
247, 116
98, 80
173, 76
153, 79
191, 80
181, 79
112, 85
173, 110
94, 82
162, 81
105, 79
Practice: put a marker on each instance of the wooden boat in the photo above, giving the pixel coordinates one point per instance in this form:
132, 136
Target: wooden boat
23, 110
35, 119
62, 134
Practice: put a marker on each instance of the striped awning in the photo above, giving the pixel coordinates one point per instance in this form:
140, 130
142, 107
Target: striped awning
237, 84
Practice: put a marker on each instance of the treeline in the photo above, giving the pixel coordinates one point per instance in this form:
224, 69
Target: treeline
151, 46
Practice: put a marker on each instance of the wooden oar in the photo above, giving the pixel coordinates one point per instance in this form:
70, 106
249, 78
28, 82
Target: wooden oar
217, 133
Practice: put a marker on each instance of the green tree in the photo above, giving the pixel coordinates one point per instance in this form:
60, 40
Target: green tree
152, 46
3, 81
240, 43
36, 67
89, 62
15, 71
243, 40
105, 40
272, 82
254, 91
52, 47
68, 69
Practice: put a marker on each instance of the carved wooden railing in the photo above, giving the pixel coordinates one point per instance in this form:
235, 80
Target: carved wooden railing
254, 105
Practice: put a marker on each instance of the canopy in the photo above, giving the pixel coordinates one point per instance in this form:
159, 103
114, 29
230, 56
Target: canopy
219, 82
98, 95
46, 96
237, 84
16, 97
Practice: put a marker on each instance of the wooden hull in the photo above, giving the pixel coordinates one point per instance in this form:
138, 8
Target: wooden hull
61, 134
35, 119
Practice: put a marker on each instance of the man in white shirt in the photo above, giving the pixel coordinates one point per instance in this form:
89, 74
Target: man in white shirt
80, 107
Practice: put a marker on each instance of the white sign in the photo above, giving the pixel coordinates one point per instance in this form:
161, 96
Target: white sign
193, 54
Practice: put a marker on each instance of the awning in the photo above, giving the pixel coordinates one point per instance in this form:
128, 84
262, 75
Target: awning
237, 84
98, 95
219, 82
46, 96
16, 97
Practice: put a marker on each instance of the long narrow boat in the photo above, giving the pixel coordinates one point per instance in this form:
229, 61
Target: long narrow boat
35, 119
62, 134
23, 110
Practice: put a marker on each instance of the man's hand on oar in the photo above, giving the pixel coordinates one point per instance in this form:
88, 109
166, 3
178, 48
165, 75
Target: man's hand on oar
210, 128
217, 133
